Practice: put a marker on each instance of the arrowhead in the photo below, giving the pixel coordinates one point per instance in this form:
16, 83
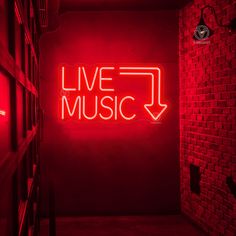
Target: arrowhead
156, 110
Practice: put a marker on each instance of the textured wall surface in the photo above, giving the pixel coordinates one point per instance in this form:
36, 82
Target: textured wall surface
208, 117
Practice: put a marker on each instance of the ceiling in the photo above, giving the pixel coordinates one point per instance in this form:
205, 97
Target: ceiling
57, 7
66, 5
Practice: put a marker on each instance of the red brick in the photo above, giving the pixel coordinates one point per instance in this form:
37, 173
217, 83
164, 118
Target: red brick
208, 117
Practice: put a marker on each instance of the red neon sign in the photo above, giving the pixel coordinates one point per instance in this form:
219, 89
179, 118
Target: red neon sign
107, 104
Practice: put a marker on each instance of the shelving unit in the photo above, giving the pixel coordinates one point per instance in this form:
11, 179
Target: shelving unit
19, 117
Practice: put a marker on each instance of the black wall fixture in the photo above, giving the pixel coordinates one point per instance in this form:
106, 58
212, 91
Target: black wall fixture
231, 184
195, 178
203, 31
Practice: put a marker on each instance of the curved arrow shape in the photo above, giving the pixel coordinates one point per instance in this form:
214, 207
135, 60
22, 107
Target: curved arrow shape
155, 108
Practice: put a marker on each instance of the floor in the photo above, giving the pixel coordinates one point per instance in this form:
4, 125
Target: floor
175, 225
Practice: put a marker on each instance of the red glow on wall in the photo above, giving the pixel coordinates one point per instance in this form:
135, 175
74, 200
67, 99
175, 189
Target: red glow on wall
2, 113
17, 13
108, 104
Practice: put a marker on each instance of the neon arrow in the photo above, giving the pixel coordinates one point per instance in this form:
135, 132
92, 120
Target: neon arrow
155, 109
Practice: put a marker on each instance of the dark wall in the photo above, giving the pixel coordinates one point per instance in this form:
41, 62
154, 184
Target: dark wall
111, 167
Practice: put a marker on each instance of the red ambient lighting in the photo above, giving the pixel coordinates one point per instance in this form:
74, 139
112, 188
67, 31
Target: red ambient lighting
75, 103
2, 113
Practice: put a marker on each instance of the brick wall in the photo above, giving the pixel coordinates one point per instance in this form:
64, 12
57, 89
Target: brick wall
208, 117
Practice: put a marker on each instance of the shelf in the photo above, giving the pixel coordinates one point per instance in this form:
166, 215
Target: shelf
27, 31
8, 64
19, 172
9, 162
24, 206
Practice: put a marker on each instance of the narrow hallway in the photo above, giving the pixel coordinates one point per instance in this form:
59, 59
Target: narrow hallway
117, 117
